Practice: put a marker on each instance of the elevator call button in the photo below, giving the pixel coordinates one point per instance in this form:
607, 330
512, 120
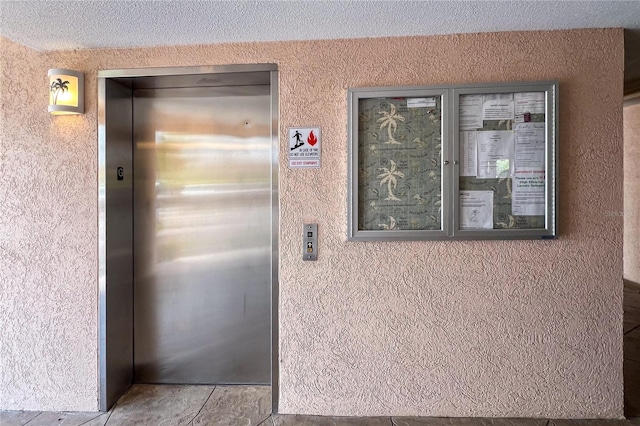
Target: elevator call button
310, 241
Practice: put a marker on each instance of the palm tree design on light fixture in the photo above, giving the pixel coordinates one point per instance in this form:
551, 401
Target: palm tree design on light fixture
388, 176
388, 119
57, 87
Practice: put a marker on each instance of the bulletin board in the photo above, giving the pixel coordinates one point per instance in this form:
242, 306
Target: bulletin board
454, 162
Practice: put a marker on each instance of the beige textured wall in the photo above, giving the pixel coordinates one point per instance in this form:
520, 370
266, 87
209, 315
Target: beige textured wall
48, 243
502, 328
632, 190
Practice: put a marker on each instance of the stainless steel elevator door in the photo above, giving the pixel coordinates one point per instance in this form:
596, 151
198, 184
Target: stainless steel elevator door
202, 235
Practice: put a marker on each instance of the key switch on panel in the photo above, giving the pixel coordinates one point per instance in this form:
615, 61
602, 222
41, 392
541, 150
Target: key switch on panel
310, 241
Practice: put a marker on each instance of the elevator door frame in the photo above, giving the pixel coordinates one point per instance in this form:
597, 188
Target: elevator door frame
115, 316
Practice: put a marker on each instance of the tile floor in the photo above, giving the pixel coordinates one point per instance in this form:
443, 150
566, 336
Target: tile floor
170, 405
631, 349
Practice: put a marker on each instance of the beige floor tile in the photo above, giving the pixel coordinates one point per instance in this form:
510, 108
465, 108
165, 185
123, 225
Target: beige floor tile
298, 420
236, 405
591, 423
435, 421
16, 418
51, 418
101, 420
631, 286
631, 299
420, 421
631, 388
159, 405
628, 326
632, 314
632, 345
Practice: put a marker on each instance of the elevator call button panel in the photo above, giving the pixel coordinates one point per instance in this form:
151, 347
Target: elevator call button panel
310, 241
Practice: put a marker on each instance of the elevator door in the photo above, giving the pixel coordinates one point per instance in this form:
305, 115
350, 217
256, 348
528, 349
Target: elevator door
202, 235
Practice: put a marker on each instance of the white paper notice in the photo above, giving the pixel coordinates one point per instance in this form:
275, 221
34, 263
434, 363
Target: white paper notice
532, 102
476, 209
498, 107
530, 147
421, 102
470, 112
468, 154
495, 154
528, 194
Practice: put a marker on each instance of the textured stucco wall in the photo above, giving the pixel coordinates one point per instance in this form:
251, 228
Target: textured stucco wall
48, 243
631, 190
501, 328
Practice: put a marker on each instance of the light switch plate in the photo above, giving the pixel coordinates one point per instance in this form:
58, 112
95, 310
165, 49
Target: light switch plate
310, 241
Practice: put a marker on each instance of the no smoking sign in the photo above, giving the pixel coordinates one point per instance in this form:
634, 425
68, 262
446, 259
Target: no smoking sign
304, 147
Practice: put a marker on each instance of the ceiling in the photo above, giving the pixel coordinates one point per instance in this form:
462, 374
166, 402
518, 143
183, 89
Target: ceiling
65, 24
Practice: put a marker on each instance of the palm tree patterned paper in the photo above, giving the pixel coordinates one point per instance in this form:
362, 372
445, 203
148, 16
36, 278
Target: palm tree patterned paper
390, 121
399, 185
389, 177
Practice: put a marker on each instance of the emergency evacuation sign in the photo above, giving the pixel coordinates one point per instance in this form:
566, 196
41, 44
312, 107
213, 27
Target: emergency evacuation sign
304, 147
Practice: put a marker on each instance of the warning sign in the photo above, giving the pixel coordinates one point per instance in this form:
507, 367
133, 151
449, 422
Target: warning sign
304, 147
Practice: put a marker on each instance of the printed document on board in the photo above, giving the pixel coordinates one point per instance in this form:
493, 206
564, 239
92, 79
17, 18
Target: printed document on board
495, 154
498, 107
530, 147
530, 102
476, 209
468, 153
470, 116
528, 194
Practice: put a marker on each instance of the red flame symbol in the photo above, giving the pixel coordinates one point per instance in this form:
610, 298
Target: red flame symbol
311, 140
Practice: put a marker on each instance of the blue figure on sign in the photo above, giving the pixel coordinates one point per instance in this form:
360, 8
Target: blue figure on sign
298, 139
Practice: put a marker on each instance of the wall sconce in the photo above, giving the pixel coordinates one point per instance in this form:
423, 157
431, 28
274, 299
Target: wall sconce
66, 92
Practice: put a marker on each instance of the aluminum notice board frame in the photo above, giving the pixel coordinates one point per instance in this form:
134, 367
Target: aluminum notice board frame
402, 188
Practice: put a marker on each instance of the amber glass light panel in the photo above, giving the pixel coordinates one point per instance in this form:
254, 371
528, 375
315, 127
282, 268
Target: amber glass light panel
66, 92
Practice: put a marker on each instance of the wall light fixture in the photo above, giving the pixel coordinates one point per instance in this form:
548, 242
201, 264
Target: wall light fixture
66, 92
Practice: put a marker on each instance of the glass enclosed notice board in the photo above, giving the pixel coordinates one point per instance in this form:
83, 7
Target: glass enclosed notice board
455, 162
